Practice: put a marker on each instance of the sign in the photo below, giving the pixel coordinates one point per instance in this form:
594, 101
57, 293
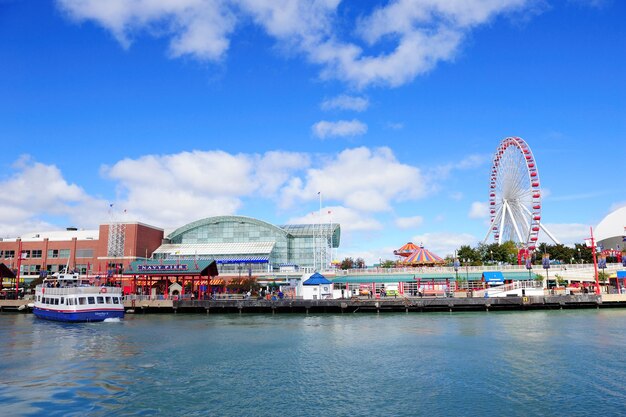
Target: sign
159, 268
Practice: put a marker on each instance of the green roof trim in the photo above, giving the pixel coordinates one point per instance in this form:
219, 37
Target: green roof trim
440, 276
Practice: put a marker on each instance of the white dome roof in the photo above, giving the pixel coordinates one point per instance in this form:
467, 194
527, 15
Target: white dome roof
612, 225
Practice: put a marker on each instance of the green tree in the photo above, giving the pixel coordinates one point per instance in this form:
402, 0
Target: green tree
347, 263
359, 263
388, 264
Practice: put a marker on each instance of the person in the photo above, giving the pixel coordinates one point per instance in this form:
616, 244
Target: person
280, 294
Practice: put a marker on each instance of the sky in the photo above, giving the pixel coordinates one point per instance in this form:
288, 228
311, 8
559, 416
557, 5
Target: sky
386, 114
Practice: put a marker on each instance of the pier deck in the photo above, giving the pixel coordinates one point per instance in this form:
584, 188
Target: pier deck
400, 304
360, 305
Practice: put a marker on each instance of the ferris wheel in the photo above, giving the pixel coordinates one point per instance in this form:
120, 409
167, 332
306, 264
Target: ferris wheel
515, 195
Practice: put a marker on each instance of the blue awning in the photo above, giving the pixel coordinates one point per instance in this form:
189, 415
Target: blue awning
621, 274
493, 277
244, 260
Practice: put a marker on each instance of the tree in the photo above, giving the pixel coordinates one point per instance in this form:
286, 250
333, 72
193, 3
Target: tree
466, 252
347, 263
359, 263
388, 264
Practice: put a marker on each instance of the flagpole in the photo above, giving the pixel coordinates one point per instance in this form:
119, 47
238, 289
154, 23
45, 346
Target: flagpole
19, 266
320, 230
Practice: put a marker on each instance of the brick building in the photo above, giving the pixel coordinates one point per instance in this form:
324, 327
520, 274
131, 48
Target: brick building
112, 247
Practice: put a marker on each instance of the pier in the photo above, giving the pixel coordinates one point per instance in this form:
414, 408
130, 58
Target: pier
365, 305
358, 305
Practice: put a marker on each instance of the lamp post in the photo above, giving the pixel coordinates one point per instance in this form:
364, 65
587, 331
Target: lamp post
602, 265
491, 253
529, 266
467, 261
545, 262
456, 268
580, 258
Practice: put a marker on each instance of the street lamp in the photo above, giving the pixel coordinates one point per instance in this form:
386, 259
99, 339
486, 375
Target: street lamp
580, 256
602, 265
545, 262
491, 252
529, 266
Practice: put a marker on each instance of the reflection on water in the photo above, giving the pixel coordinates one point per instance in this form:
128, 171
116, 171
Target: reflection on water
523, 363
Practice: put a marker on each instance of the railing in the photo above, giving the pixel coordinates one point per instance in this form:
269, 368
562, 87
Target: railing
81, 290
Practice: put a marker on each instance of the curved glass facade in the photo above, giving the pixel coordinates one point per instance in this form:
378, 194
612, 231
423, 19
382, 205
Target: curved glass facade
237, 240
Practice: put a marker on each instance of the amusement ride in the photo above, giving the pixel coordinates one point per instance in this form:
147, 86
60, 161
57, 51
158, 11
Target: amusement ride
515, 196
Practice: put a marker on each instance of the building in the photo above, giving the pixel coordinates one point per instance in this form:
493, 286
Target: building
240, 246
243, 245
611, 231
110, 248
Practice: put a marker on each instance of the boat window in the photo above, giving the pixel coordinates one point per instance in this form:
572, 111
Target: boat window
43, 300
91, 300
39, 298
108, 300
100, 300
68, 301
56, 301
82, 301
62, 300
116, 300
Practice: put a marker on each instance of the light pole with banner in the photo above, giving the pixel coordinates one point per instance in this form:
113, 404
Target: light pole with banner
545, 262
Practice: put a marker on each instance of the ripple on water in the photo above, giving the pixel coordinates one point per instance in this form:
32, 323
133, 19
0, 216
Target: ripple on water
534, 363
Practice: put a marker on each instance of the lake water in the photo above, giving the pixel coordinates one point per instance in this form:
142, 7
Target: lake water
567, 363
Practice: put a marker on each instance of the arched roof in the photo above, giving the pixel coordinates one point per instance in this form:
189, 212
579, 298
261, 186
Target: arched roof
612, 225
222, 219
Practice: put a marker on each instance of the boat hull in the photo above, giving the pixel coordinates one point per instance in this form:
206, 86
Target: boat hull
78, 316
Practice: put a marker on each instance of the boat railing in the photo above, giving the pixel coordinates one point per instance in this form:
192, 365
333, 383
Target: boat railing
82, 290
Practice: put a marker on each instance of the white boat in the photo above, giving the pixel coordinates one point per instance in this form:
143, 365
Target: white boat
67, 297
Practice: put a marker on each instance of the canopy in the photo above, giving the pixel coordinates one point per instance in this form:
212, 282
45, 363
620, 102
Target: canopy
5, 272
493, 277
406, 250
621, 274
316, 279
423, 257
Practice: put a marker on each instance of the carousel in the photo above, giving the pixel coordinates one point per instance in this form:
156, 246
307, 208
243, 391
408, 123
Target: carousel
419, 256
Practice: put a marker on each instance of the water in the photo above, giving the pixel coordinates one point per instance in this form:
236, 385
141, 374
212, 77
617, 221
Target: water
567, 363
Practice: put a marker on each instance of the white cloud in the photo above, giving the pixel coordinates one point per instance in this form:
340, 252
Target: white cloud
479, 210
420, 33
444, 243
409, 222
361, 178
350, 220
344, 102
175, 189
616, 206
199, 28
341, 128
456, 196
567, 234
467, 163
36, 191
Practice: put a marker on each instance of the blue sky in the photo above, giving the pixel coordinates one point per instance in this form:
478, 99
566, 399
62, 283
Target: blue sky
180, 110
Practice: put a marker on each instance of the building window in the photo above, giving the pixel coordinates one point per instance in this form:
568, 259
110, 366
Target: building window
53, 253
84, 253
9, 254
64, 253
36, 253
